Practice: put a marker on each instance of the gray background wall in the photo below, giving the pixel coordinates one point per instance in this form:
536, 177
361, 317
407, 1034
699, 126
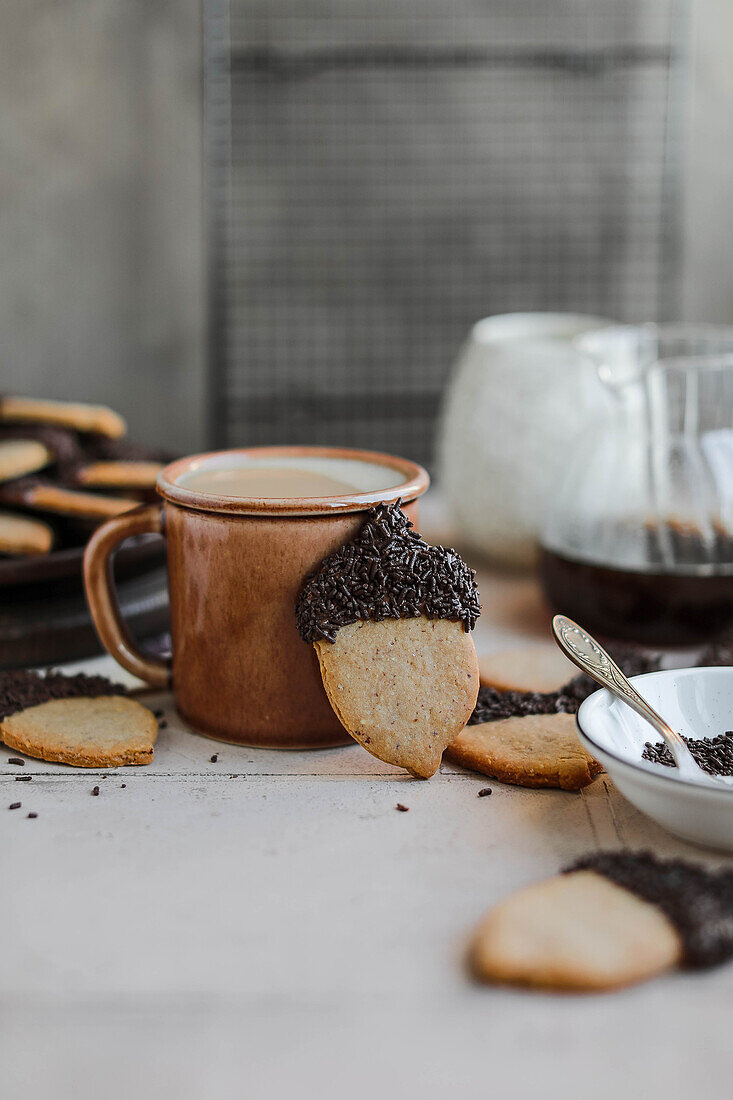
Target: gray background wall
101, 220
101, 273
708, 207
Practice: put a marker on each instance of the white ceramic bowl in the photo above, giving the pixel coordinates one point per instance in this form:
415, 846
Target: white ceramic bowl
697, 702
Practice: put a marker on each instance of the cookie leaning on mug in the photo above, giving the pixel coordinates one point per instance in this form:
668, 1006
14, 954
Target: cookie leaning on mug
611, 919
390, 619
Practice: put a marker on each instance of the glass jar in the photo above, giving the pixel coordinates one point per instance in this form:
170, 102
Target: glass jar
638, 541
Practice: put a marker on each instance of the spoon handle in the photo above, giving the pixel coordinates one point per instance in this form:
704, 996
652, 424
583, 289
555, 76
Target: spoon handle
592, 658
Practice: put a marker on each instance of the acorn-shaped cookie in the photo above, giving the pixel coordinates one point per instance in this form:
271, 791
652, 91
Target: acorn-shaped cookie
612, 919
390, 619
82, 720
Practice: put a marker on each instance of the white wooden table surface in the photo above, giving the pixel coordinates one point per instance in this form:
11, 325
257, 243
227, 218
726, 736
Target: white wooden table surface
270, 926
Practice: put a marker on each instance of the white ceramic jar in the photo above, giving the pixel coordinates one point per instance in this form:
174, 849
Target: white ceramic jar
518, 396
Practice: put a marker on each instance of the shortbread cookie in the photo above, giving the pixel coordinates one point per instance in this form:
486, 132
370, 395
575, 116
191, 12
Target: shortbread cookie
533, 668
402, 687
105, 732
578, 932
64, 414
390, 617
119, 475
537, 750
19, 457
43, 496
20, 536
62, 443
612, 919
545, 669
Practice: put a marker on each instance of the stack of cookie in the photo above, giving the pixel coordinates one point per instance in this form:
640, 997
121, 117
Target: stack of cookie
64, 468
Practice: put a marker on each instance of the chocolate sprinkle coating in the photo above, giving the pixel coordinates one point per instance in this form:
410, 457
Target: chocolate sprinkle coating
492, 705
21, 688
713, 754
387, 572
698, 902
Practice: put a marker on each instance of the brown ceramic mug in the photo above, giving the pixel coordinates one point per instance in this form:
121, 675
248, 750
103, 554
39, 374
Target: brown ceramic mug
240, 671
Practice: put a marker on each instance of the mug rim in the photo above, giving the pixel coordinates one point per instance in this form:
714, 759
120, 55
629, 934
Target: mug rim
416, 481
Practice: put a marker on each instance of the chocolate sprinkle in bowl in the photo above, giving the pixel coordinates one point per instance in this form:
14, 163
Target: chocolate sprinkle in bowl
699, 703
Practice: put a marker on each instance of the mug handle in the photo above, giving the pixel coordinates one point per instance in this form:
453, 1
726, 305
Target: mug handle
100, 590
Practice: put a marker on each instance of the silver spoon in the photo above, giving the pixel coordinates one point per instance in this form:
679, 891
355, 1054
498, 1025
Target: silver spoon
591, 657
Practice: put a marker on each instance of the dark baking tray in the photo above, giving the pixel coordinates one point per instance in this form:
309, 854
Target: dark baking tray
51, 629
62, 569
44, 618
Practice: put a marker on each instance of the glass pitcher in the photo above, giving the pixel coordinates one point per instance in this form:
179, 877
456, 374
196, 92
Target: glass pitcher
638, 542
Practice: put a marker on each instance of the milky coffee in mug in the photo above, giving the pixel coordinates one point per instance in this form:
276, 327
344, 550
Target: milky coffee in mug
243, 530
267, 482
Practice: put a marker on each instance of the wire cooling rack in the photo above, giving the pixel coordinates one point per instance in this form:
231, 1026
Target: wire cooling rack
382, 173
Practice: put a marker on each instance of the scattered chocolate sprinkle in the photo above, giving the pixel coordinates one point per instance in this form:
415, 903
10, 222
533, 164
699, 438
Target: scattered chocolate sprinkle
15, 805
163, 725
23, 778
493, 705
698, 902
95, 790
32, 815
387, 572
484, 792
158, 713
122, 786
713, 754
21, 688
401, 808
213, 759
16, 760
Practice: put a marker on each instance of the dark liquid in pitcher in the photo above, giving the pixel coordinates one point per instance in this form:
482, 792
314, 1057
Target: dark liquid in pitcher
656, 606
